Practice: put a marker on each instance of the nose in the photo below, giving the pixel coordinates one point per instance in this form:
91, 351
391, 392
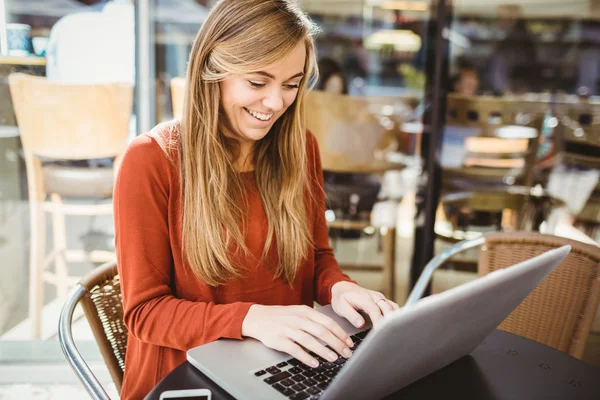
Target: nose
273, 100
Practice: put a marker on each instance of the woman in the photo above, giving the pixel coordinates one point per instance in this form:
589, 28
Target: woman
219, 218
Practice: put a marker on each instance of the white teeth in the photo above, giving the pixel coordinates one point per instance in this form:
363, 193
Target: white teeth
261, 116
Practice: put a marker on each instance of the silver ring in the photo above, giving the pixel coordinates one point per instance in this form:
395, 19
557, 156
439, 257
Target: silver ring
379, 300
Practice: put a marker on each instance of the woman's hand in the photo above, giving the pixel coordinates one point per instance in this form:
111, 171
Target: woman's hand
348, 297
295, 330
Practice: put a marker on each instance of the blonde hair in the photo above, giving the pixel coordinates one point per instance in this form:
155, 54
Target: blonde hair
243, 36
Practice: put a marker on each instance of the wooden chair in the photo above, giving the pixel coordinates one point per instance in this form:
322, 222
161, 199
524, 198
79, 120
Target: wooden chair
177, 96
579, 138
352, 141
560, 311
99, 294
66, 122
502, 150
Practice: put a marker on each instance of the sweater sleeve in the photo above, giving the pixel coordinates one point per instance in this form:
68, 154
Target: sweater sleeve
145, 259
327, 270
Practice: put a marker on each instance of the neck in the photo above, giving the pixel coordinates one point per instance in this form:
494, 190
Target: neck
245, 160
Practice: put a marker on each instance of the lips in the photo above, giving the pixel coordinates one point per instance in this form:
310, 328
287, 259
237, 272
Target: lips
263, 117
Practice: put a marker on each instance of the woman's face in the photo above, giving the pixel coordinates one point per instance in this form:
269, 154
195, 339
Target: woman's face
253, 102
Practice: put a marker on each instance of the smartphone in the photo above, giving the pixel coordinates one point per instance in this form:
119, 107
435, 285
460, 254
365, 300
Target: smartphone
188, 394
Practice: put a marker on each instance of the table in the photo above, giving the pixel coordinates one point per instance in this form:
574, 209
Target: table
23, 60
503, 367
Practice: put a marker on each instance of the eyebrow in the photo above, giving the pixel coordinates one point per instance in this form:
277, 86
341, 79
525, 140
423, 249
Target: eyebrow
268, 75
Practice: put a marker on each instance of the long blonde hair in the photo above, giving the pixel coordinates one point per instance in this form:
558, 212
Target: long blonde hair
243, 36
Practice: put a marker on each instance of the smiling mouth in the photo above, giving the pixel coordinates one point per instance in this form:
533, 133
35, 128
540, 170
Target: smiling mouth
259, 116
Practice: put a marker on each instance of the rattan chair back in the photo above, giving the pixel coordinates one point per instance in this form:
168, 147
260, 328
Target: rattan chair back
103, 307
560, 311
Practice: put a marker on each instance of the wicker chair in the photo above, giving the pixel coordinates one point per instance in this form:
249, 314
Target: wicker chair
100, 296
560, 311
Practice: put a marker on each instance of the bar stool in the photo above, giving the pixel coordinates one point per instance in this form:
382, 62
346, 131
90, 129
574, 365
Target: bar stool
66, 122
352, 143
177, 96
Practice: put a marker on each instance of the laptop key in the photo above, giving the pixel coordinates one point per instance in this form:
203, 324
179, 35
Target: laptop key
281, 364
298, 378
329, 365
330, 373
287, 382
323, 385
309, 382
295, 370
318, 369
260, 373
283, 390
309, 373
273, 370
340, 361
320, 378
294, 362
298, 387
363, 334
299, 396
313, 390
276, 378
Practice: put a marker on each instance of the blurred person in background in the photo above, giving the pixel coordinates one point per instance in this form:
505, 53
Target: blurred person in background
220, 224
588, 82
94, 46
466, 80
513, 62
331, 77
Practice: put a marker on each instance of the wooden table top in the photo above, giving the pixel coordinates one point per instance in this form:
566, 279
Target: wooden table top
23, 60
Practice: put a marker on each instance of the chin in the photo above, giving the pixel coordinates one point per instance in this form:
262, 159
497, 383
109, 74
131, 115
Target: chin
255, 134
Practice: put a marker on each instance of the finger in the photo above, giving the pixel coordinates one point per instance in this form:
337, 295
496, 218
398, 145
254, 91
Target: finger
324, 334
330, 324
288, 346
309, 342
395, 306
365, 302
346, 310
384, 306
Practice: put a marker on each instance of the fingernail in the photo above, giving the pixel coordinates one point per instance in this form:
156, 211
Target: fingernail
358, 323
349, 342
314, 363
347, 352
332, 356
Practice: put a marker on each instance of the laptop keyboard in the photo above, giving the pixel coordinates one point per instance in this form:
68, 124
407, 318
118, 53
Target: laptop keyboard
298, 381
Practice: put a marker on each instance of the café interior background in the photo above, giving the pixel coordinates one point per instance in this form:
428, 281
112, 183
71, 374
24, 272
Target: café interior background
535, 60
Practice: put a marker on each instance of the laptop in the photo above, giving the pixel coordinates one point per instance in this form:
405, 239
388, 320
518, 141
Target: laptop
406, 345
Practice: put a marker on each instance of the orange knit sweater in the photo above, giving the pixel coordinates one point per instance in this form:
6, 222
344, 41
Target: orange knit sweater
167, 309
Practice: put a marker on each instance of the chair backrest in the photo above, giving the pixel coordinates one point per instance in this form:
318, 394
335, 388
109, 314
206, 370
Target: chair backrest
560, 311
177, 95
103, 307
350, 135
71, 121
502, 138
579, 133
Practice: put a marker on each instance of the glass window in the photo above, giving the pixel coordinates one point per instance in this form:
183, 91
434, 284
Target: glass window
520, 144
67, 71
